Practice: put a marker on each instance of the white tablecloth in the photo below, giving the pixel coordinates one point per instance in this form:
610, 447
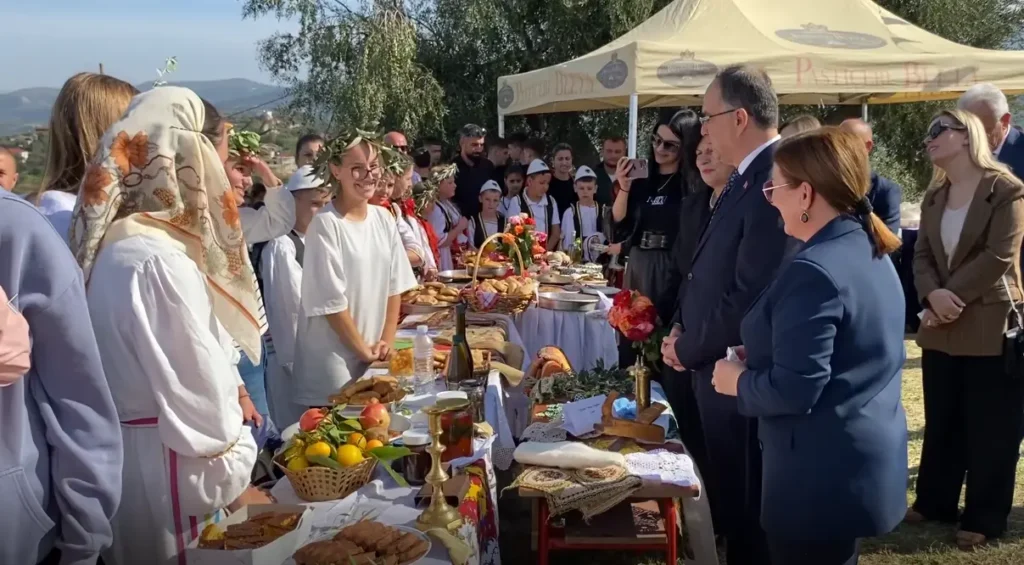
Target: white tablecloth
584, 338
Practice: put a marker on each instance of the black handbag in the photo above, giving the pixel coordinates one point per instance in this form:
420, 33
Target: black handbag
1013, 339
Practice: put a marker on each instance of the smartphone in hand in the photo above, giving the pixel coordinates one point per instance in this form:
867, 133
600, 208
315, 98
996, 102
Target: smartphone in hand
638, 170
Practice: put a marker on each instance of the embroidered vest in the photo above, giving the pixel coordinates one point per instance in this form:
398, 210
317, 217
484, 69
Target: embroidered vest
524, 207
480, 230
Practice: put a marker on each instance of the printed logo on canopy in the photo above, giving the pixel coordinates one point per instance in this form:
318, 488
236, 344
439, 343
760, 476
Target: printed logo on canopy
687, 71
821, 36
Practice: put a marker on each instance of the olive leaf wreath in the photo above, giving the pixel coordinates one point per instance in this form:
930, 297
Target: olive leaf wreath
334, 150
243, 143
425, 192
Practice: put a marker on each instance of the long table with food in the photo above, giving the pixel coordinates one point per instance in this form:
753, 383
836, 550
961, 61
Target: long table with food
397, 471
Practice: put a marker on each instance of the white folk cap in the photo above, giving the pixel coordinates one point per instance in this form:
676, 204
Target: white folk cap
304, 178
536, 167
585, 172
490, 185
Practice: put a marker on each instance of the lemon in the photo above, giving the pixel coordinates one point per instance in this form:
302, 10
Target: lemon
349, 455
297, 464
357, 440
318, 449
373, 444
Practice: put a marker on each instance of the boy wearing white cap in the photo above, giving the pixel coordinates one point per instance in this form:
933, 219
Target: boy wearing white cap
489, 221
584, 220
280, 272
535, 203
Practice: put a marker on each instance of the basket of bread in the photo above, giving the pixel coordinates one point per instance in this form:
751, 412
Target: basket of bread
429, 297
510, 295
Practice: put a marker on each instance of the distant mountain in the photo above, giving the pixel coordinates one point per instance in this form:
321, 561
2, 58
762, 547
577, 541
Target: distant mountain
24, 109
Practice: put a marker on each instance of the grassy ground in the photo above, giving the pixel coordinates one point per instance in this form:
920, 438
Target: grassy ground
908, 545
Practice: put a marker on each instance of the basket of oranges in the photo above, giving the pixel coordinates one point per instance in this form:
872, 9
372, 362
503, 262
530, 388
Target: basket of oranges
332, 455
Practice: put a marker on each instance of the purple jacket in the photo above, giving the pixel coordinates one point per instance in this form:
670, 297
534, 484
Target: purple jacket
60, 440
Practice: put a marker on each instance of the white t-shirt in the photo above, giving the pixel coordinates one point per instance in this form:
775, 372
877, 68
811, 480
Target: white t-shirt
348, 265
538, 211
588, 224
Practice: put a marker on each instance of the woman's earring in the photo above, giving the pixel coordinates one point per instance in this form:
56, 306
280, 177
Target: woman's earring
804, 217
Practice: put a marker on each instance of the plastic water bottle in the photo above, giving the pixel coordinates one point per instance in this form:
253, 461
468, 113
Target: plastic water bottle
422, 360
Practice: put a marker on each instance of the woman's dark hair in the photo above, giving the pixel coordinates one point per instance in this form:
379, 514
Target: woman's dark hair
515, 169
684, 124
307, 139
214, 124
561, 147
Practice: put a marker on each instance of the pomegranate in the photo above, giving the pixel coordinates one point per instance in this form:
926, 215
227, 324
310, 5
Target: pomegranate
310, 419
375, 416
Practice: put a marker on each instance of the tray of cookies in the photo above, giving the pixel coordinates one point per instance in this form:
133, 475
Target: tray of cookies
364, 543
430, 297
264, 534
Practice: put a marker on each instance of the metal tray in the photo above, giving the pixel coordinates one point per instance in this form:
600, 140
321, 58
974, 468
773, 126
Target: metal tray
598, 289
567, 301
464, 276
552, 279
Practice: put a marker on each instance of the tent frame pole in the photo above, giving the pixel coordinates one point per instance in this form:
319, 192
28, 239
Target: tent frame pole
634, 101
501, 125
864, 111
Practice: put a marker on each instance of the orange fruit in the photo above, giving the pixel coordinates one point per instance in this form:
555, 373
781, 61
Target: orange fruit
373, 444
357, 439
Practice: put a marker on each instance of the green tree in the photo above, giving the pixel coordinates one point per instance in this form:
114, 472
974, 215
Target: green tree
462, 47
352, 67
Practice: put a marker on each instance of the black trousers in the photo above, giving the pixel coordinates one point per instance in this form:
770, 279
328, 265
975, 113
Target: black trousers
734, 460
973, 415
840, 552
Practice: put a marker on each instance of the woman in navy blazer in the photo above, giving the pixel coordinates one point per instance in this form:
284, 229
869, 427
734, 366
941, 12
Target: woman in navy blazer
823, 349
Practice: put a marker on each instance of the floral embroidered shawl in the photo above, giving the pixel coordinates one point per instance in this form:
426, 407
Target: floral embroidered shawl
157, 174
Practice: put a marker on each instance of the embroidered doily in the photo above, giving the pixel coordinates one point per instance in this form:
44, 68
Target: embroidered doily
544, 432
591, 491
664, 467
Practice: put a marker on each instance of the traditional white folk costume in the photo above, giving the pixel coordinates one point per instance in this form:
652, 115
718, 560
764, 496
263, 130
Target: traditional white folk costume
443, 218
157, 233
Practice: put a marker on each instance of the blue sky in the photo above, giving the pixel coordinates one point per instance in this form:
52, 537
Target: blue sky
49, 40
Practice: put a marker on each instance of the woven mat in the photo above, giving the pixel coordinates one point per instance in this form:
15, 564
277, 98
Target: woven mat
591, 491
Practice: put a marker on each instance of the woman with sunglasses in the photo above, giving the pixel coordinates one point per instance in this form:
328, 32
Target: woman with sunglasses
822, 361
967, 274
354, 272
647, 209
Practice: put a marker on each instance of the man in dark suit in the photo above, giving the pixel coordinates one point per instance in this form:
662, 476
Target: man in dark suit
735, 258
885, 195
990, 105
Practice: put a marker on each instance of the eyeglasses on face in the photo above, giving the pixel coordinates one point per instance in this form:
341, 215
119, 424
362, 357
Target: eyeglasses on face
939, 128
361, 173
657, 141
707, 117
769, 188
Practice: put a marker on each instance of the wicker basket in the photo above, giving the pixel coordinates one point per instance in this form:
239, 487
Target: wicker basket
503, 304
319, 484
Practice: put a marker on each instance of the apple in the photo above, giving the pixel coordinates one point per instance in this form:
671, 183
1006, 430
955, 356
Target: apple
375, 416
311, 419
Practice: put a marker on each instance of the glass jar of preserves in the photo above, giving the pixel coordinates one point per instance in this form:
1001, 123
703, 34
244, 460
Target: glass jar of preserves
456, 429
416, 466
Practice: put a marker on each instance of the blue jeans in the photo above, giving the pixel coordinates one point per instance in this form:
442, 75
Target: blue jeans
254, 378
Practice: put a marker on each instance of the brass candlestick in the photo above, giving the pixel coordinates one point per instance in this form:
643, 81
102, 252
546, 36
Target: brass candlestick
642, 384
439, 514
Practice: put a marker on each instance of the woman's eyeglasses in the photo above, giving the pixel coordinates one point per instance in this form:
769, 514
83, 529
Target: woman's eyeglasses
769, 188
939, 128
361, 173
657, 141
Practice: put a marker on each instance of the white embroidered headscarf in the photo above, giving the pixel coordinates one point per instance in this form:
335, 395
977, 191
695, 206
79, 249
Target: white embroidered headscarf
157, 174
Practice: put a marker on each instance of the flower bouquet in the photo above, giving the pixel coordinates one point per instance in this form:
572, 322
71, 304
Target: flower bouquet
521, 232
634, 315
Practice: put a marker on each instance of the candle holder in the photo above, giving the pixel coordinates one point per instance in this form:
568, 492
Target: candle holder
642, 384
439, 514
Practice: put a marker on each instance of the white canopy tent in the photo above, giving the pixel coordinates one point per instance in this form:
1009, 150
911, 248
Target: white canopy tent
816, 52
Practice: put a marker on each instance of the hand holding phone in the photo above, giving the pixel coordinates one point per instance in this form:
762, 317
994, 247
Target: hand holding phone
638, 169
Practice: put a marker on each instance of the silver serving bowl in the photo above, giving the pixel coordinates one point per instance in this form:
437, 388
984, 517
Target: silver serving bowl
567, 301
